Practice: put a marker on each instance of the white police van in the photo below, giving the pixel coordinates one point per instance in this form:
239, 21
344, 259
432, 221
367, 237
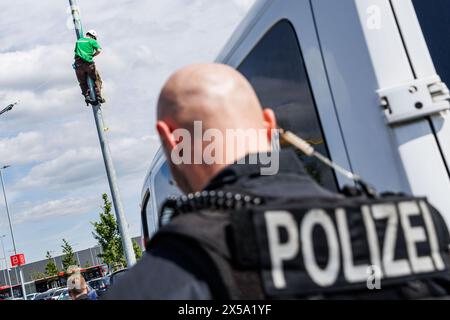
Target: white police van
362, 79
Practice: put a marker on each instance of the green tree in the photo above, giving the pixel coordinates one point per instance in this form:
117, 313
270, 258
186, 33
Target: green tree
50, 269
69, 257
106, 232
137, 250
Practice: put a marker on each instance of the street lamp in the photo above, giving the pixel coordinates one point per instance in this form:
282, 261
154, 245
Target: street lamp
4, 270
11, 229
6, 265
9, 107
7, 207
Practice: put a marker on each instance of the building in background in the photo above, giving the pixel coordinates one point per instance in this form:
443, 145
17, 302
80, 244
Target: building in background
86, 258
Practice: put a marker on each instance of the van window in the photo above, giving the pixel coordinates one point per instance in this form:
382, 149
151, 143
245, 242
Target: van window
434, 18
276, 69
164, 186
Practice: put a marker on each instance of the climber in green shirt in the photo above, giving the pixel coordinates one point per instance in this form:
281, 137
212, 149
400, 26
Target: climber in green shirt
86, 49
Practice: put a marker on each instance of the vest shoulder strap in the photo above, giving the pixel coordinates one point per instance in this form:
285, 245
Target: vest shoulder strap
208, 234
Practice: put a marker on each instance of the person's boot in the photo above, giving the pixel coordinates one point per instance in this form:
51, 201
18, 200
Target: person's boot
88, 99
100, 99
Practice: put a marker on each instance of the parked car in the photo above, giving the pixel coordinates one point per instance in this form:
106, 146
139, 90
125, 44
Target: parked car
100, 285
39, 296
47, 295
64, 295
31, 296
57, 293
116, 275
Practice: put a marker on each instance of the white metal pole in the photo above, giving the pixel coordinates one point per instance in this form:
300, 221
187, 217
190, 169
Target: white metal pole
17, 276
10, 283
107, 158
10, 225
4, 272
7, 268
7, 209
92, 257
24, 292
97, 259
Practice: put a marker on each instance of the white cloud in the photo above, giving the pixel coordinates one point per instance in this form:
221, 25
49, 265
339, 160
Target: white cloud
29, 147
56, 209
42, 66
13, 149
77, 168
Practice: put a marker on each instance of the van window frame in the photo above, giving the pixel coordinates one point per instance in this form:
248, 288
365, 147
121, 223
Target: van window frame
145, 204
308, 80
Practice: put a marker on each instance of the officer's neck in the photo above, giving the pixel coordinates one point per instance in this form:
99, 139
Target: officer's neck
200, 176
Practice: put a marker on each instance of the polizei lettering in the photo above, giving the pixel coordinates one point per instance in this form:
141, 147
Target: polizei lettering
313, 249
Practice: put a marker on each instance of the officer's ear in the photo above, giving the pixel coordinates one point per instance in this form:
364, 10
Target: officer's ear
270, 122
167, 138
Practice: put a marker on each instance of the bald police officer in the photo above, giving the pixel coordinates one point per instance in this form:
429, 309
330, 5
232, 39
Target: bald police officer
241, 234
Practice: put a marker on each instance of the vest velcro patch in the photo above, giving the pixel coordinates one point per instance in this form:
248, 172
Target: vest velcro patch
312, 247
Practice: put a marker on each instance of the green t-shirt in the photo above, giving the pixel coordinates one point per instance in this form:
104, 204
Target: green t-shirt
85, 48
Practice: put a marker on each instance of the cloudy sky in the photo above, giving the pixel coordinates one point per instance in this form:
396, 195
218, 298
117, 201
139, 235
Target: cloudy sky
57, 175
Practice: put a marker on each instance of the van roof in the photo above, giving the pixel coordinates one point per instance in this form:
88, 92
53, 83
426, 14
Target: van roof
256, 11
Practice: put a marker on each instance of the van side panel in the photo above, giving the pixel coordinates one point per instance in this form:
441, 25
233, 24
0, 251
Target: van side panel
354, 83
416, 143
413, 38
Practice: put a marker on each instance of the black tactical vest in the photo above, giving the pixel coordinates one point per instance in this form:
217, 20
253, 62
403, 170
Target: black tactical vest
314, 248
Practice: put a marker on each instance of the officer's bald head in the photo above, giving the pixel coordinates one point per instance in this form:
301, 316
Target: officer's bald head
222, 99
216, 94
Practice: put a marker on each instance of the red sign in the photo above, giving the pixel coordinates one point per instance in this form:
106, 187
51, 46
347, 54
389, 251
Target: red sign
18, 260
